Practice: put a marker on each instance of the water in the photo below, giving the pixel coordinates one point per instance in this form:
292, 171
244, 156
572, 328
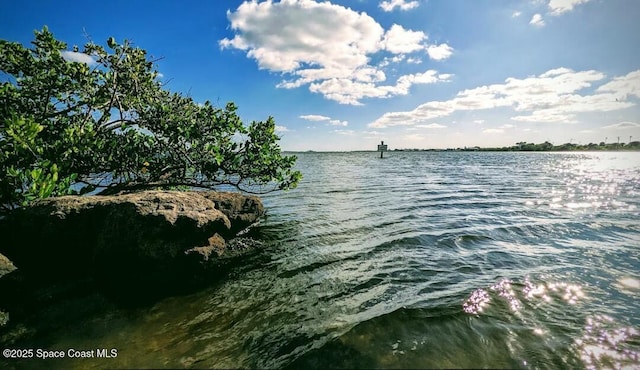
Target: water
421, 259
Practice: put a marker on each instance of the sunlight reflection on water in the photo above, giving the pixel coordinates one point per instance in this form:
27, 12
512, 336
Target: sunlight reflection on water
504, 291
605, 344
630, 283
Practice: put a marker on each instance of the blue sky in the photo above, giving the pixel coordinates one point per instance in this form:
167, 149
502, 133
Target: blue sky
344, 75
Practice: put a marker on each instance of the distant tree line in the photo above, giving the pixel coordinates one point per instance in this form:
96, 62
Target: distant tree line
547, 147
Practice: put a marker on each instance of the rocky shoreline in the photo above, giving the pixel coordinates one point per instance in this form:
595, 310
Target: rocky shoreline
131, 245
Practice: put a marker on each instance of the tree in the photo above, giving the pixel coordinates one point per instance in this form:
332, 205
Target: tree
546, 146
107, 123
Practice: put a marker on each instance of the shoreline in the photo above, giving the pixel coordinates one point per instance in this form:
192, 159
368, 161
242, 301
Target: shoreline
630, 150
633, 146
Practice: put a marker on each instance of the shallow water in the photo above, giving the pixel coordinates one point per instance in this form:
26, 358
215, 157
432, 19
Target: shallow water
421, 259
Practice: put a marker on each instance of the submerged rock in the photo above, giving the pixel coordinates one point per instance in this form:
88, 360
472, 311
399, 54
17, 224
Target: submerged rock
151, 237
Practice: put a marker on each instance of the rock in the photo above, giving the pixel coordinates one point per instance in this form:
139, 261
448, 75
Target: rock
241, 211
157, 237
6, 266
215, 244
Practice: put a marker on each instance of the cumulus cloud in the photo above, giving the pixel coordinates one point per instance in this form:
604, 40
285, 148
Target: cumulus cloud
348, 91
287, 35
537, 20
326, 47
623, 87
552, 96
401, 41
73, 56
388, 6
439, 52
281, 129
427, 77
558, 7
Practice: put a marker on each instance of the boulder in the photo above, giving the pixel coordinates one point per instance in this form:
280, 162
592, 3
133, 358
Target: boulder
138, 238
241, 210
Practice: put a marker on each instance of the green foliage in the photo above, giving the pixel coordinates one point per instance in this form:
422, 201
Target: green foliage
26, 175
547, 146
68, 126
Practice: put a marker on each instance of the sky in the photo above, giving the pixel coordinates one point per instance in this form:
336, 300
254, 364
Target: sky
346, 74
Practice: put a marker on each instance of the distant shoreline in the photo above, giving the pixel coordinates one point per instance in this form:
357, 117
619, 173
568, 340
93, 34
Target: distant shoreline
517, 150
633, 146
467, 150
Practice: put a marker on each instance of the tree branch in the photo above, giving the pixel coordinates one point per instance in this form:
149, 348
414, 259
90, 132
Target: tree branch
116, 124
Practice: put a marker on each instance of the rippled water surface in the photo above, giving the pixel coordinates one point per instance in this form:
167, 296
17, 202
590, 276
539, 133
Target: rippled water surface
421, 259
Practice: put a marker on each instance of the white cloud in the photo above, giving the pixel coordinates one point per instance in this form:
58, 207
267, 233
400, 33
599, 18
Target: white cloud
388, 6
427, 77
73, 56
546, 116
550, 97
337, 122
537, 20
479, 121
412, 60
432, 126
516, 14
623, 87
623, 125
281, 129
347, 91
288, 35
401, 41
395, 59
439, 52
558, 7
325, 46
315, 117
